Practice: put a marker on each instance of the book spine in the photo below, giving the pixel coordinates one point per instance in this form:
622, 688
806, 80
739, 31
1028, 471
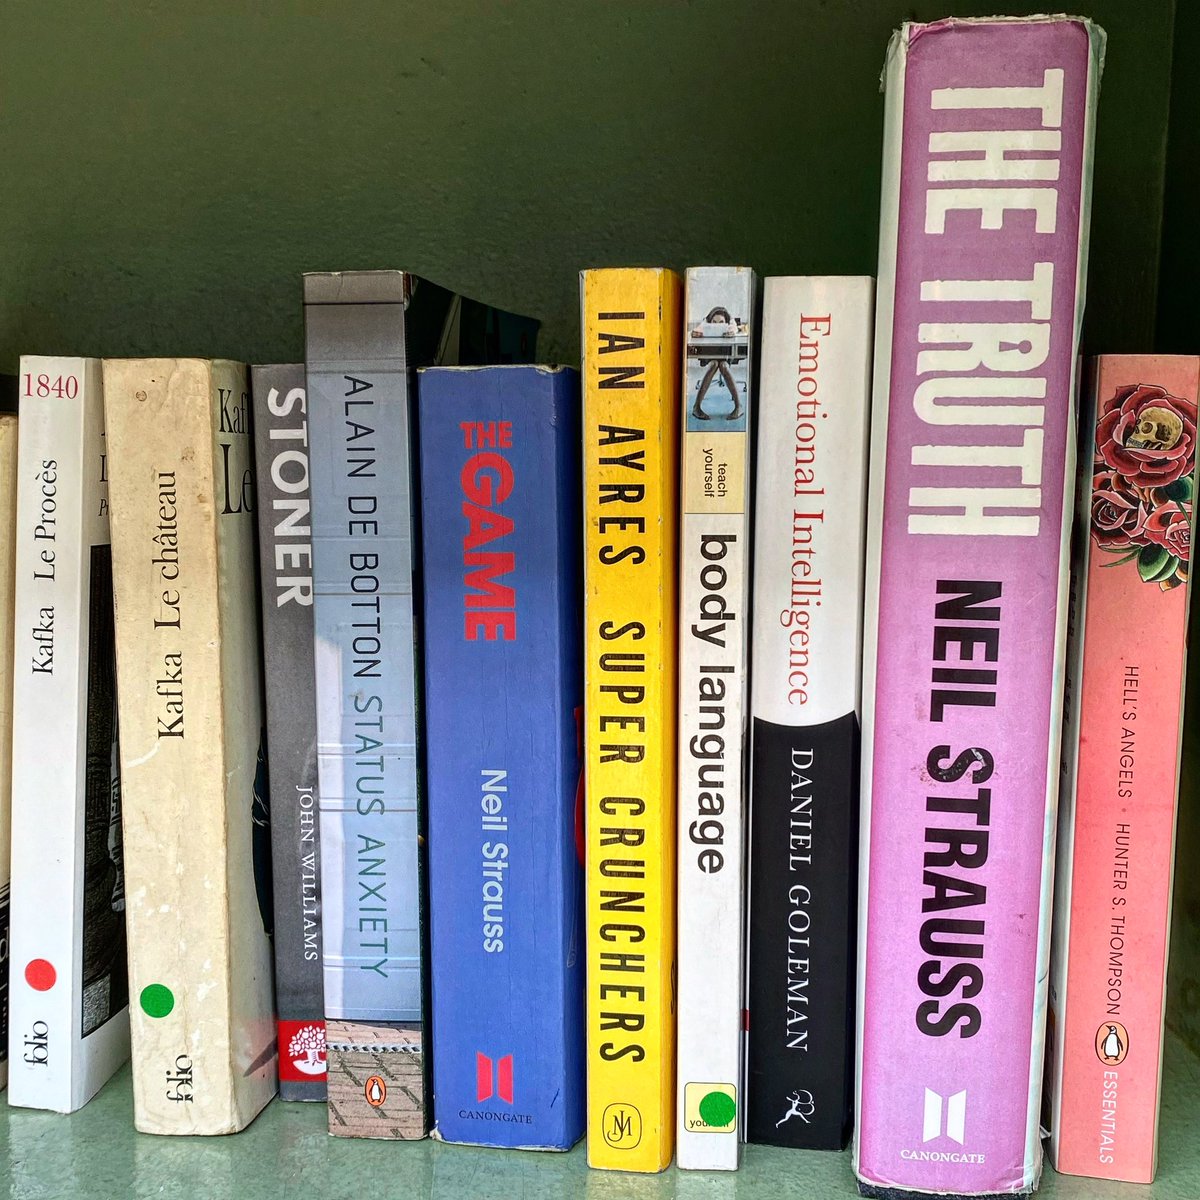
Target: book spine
810, 507
501, 535
714, 603
196, 840
1136, 492
70, 989
982, 260
631, 357
366, 635
285, 575
8, 545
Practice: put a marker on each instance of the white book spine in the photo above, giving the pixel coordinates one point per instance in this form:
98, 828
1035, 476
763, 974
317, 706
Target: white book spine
714, 596
8, 530
69, 1027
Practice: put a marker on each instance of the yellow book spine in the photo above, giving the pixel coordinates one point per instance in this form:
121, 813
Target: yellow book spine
631, 364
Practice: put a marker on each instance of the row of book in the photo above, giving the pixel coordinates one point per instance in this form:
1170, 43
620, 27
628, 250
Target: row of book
653, 774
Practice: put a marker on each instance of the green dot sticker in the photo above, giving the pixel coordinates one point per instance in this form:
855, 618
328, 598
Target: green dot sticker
157, 1000
717, 1109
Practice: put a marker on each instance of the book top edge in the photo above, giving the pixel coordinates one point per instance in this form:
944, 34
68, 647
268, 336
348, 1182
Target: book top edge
920, 28
540, 368
910, 32
1181, 359
658, 272
80, 358
821, 280
357, 287
176, 363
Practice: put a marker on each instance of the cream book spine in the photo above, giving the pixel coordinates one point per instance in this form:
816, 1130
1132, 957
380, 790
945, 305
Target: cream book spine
69, 1028
197, 845
8, 529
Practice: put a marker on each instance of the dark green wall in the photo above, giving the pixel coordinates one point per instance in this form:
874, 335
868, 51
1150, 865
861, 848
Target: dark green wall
1179, 332
169, 168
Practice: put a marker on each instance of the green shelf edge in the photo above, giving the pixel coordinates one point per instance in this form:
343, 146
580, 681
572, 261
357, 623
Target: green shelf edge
96, 1155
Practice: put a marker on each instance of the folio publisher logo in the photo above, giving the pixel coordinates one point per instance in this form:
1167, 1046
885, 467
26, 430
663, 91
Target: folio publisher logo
955, 1109
493, 1077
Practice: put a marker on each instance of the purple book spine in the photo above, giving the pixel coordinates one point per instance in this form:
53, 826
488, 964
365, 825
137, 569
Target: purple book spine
982, 257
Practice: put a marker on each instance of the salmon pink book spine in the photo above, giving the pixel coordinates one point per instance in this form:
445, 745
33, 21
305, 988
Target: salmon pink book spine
1120, 788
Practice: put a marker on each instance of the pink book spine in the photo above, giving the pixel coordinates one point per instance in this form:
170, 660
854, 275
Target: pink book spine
988, 137
1137, 481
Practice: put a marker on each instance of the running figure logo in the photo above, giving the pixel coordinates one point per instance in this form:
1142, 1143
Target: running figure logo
802, 1105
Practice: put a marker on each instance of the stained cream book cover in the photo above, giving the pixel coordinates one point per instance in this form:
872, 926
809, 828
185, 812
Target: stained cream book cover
181, 487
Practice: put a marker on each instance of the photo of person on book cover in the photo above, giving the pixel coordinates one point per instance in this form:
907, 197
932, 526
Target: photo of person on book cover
718, 362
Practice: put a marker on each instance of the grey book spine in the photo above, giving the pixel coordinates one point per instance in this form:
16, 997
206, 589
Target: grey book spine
365, 637
285, 573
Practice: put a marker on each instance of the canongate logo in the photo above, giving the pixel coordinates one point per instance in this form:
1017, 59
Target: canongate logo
622, 1126
955, 1109
494, 1077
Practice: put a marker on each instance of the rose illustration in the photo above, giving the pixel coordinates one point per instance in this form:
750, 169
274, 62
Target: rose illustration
1147, 435
1117, 510
1174, 581
1168, 525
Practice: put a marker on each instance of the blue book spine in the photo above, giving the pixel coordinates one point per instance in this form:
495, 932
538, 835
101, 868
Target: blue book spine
500, 486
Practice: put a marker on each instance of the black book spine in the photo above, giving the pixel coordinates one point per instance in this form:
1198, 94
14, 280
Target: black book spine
286, 590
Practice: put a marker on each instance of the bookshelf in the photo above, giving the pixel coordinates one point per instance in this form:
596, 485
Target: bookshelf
286, 1153
172, 169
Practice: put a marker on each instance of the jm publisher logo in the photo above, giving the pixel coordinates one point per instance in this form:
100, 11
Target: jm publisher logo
622, 1126
955, 1111
493, 1077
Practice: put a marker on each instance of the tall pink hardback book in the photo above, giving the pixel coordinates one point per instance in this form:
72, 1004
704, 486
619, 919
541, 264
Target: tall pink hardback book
1124, 720
983, 248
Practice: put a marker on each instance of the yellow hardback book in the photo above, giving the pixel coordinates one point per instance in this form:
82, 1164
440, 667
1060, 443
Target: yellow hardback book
631, 364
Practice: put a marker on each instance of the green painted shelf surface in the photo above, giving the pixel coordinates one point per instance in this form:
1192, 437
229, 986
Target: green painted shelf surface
96, 1155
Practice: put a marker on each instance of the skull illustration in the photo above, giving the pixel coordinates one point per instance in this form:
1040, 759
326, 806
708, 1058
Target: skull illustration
1156, 429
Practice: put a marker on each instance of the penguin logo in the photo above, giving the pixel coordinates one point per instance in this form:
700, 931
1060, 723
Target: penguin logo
375, 1091
1112, 1043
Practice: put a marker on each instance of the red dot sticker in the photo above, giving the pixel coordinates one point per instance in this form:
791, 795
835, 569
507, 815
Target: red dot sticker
40, 975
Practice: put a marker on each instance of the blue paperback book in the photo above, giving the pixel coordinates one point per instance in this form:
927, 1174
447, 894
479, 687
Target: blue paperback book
500, 481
